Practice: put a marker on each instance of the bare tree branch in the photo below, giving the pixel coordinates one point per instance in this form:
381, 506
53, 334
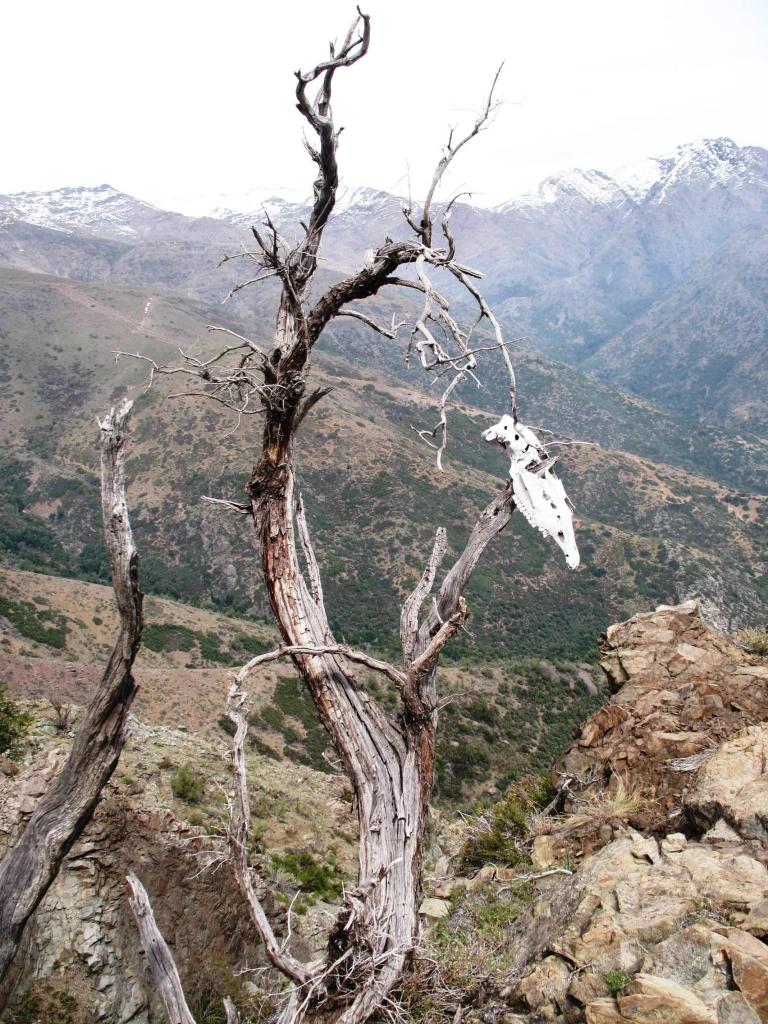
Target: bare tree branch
358, 657
388, 332
409, 616
451, 149
160, 960
61, 814
237, 835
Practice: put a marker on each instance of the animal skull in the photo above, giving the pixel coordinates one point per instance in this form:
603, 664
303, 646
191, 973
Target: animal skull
539, 494
521, 443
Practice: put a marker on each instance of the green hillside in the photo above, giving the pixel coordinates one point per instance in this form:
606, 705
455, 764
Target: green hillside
649, 532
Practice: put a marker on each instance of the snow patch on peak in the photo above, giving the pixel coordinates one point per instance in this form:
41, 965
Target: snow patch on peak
594, 186
707, 163
569, 187
76, 209
236, 206
279, 201
639, 178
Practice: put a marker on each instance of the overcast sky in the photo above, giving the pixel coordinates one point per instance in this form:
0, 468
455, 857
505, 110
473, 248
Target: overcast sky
168, 99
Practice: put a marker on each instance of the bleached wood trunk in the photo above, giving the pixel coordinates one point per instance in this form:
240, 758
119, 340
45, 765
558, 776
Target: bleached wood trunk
391, 763
66, 807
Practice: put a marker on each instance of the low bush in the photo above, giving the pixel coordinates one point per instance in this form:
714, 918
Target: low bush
188, 785
498, 834
15, 724
321, 880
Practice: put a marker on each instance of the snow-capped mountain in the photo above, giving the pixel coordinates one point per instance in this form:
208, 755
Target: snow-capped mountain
614, 271
101, 210
708, 163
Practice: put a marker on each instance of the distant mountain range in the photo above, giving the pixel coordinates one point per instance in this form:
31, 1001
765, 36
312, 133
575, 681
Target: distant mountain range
654, 277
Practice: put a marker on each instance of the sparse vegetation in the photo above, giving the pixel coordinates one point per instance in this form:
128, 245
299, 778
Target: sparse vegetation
463, 950
616, 980
623, 803
754, 640
499, 834
15, 724
188, 785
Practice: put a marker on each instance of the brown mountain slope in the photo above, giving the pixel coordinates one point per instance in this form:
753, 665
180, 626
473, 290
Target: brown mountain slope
649, 532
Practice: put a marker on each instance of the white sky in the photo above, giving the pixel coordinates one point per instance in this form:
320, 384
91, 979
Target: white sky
174, 98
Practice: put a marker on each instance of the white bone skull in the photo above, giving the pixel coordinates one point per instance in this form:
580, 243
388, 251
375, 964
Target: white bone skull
522, 445
539, 494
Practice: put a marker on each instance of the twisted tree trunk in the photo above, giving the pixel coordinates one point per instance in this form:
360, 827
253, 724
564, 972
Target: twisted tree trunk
390, 763
66, 807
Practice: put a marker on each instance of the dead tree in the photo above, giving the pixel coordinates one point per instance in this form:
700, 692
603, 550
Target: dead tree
66, 807
390, 760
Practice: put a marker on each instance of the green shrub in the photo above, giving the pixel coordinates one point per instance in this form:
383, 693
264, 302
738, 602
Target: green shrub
616, 980
496, 834
165, 636
15, 724
188, 785
34, 623
322, 880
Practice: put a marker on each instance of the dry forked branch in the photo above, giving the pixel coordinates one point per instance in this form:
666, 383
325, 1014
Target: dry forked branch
390, 761
161, 962
237, 835
64, 810
441, 344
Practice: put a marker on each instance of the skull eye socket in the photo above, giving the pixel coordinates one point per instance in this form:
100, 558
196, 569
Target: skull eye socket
517, 436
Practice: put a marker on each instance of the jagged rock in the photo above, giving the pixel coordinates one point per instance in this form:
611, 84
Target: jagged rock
671, 917
645, 848
434, 908
674, 843
654, 1000
603, 1011
486, 874
733, 785
446, 889
546, 984
544, 852
587, 986
680, 691
721, 833
747, 958
756, 921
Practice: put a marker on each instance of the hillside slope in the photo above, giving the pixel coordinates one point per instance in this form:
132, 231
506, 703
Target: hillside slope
649, 531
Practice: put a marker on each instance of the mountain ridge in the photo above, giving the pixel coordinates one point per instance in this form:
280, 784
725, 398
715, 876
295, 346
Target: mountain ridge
592, 260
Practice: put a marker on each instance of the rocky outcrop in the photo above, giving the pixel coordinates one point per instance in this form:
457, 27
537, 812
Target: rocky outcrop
662, 924
680, 691
665, 925
82, 944
733, 786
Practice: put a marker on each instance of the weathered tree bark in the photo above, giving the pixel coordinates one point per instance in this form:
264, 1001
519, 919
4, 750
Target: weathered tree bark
390, 760
390, 763
64, 810
161, 963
